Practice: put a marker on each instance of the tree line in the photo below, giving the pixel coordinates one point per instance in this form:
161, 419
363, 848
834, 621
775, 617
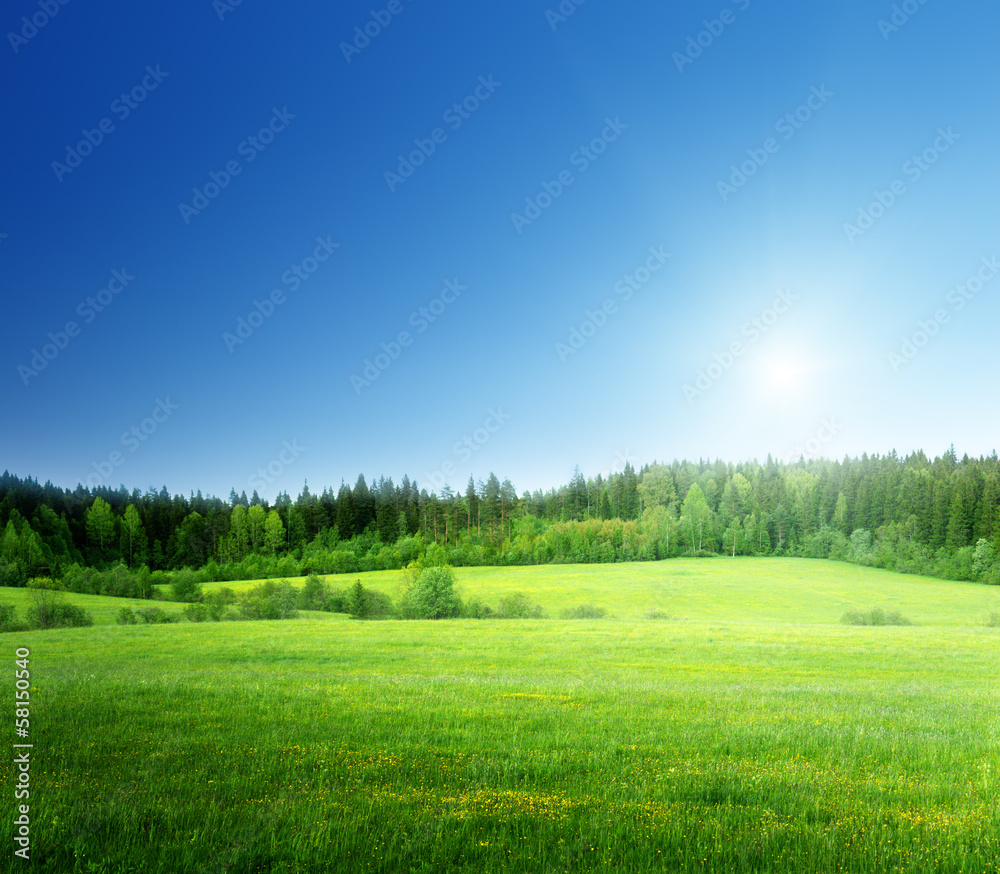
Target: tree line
936, 516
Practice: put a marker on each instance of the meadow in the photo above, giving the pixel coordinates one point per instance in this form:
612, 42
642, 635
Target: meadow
747, 731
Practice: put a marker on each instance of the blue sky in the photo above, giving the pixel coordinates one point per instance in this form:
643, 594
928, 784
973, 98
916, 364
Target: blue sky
629, 231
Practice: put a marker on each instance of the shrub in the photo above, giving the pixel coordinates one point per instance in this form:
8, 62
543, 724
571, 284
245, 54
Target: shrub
216, 603
982, 559
196, 612
655, 613
517, 606
126, 616
378, 604
270, 600
432, 595
993, 621
49, 608
476, 609
155, 616
119, 582
8, 619
875, 616
186, 586
585, 611
315, 594
825, 543
59, 615
860, 548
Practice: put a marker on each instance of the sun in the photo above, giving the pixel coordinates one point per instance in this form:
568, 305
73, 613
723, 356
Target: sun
784, 377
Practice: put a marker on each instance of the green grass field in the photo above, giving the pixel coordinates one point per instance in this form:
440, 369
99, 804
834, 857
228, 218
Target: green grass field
752, 732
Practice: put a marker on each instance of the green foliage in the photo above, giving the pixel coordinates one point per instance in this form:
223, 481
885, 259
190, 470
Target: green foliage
217, 602
359, 601
517, 605
196, 612
49, 608
126, 616
156, 616
270, 600
875, 616
474, 608
983, 559
432, 595
9, 620
584, 611
186, 586
315, 594
826, 543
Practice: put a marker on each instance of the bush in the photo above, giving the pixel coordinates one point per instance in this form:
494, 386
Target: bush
983, 558
8, 619
875, 616
126, 616
155, 616
517, 606
654, 613
49, 608
860, 548
119, 582
584, 611
196, 612
476, 609
378, 604
993, 621
59, 615
270, 600
216, 603
825, 543
432, 595
186, 586
315, 594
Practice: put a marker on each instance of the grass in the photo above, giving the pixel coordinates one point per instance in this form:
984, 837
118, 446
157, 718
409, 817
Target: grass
753, 737
743, 589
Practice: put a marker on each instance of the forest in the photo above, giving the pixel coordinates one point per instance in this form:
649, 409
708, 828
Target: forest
937, 517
